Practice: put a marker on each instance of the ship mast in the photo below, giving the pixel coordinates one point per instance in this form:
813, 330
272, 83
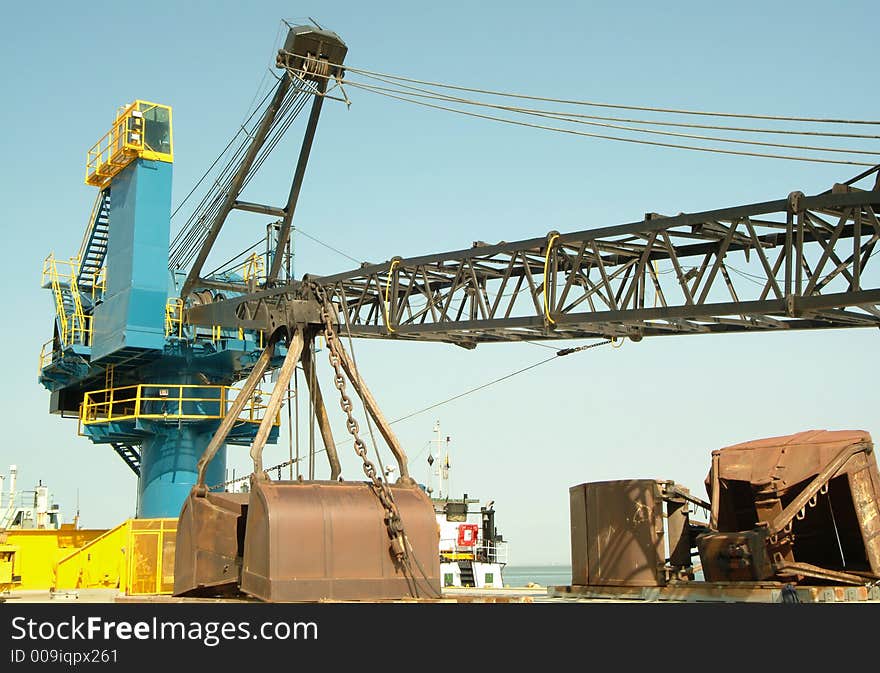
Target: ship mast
442, 463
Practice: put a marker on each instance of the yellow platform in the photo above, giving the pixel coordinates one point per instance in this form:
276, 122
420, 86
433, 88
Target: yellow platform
137, 557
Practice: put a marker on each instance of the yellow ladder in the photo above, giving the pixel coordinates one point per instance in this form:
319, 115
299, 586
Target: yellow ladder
59, 296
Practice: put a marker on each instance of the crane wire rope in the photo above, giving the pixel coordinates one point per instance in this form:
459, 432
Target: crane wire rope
560, 353
409, 548
576, 119
636, 141
191, 238
644, 108
199, 230
241, 129
650, 122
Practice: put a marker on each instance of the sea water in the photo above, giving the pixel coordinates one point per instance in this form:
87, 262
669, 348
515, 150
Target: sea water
548, 576
545, 576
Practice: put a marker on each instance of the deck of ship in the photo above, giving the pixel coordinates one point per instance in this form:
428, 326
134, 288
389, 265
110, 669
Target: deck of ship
692, 592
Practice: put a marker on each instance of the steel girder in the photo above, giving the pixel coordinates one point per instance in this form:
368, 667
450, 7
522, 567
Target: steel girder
802, 262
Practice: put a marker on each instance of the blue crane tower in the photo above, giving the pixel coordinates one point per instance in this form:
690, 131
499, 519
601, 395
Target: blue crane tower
121, 359
124, 358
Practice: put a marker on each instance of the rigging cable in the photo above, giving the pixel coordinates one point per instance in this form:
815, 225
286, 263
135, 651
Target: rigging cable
617, 138
818, 120
197, 232
560, 353
652, 122
576, 119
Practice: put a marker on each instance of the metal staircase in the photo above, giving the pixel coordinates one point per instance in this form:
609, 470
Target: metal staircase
93, 248
466, 571
129, 454
64, 301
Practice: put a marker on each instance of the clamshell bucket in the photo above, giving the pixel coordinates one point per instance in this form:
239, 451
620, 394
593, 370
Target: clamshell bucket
308, 540
210, 528
210, 537
319, 540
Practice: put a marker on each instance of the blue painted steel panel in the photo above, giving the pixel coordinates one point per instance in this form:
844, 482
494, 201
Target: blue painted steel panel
168, 469
132, 314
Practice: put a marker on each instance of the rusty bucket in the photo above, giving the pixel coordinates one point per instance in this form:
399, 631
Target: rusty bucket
307, 540
327, 540
210, 539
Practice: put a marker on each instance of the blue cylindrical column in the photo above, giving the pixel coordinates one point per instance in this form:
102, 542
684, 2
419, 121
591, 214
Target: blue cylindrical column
169, 459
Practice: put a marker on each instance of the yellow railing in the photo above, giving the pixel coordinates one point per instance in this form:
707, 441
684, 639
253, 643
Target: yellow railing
47, 354
141, 129
50, 277
75, 326
137, 557
174, 318
96, 208
217, 335
253, 268
99, 283
168, 401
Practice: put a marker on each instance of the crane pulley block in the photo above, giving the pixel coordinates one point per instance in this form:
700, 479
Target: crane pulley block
313, 53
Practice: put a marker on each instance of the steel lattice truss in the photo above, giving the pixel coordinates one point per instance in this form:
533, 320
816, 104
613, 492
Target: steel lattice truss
802, 262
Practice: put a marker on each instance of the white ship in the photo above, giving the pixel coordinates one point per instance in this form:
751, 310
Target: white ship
25, 510
472, 552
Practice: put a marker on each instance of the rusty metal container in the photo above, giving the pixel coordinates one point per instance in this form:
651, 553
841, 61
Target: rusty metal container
210, 540
320, 540
735, 557
813, 496
617, 533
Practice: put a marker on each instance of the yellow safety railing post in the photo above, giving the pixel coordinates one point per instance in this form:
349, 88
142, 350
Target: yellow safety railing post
52, 267
125, 142
128, 403
160, 542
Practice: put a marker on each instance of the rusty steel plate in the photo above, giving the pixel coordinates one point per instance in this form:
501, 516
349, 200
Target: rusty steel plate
210, 536
617, 533
327, 540
816, 494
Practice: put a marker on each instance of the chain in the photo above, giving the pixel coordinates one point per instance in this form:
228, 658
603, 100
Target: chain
380, 486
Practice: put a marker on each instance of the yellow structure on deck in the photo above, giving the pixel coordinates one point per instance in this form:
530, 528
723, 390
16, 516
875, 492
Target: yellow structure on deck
168, 401
8, 578
136, 557
142, 130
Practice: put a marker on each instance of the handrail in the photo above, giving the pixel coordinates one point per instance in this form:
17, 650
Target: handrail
96, 209
115, 149
76, 326
253, 268
99, 283
168, 401
123, 143
80, 321
47, 358
50, 267
494, 552
174, 315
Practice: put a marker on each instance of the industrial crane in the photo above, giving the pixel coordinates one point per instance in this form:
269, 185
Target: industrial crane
146, 346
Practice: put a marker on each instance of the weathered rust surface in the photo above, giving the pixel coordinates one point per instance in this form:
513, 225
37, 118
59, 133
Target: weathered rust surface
617, 533
326, 540
720, 592
812, 497
210, 533
735, 557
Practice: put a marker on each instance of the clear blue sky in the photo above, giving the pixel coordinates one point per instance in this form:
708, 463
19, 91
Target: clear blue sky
388, 179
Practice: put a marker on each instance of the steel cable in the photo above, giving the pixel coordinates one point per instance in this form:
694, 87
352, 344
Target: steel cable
577, 119
644, 108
